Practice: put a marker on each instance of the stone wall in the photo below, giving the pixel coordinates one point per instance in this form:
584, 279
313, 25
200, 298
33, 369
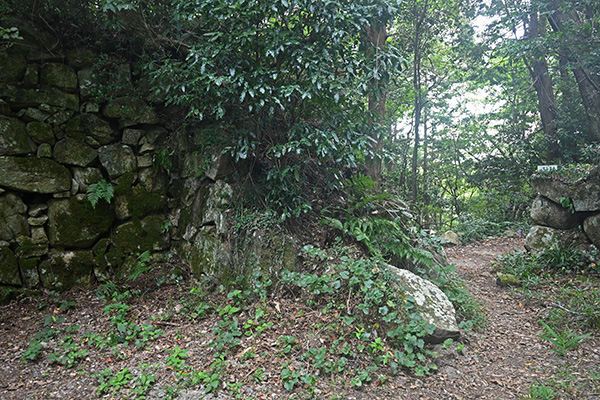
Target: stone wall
566, 213
55, 141
57, 138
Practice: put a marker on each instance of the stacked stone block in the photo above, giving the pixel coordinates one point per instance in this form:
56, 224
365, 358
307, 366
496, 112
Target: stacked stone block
565, 213
55, 141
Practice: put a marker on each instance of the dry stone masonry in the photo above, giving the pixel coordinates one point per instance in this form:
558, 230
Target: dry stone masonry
566, 211
64, 128
55, 141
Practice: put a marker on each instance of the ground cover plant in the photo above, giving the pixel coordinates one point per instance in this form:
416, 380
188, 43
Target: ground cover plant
567, 281
166, 335
334, 328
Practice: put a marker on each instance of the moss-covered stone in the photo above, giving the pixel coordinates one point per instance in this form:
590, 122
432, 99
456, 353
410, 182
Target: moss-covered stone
117, 159
98, 128
74, 223
45, 95
507, 279
59, 75
41, 132
86, 177
74, 152
81, 58
88, 82
548, 213
138, 236
226, 259
583, 195
540, 238
29, 272
131, 109
35, 175
137, 202
29, 249
9, 267
60, 117
66, 269
591, 227
13, 222
153, 180
12, 66
13, 137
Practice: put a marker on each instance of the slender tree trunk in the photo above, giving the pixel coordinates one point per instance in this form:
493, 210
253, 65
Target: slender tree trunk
538, 68
376, 38
420, 12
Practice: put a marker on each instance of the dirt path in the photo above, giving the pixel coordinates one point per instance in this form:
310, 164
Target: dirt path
503, 360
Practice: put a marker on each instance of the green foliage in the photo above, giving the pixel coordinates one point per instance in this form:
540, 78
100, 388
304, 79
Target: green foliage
112, 382
162, 160
378, 221
375, 301
176, 358
141, 266
540, 391
8, 36
100, 190
472, 229
563, 341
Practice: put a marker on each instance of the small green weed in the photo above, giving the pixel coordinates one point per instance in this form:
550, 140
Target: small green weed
71, 353
540, 391
111, 382
563, 341
176, 358
141, 266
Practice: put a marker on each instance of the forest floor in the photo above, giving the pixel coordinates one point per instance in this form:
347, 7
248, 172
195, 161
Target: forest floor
66, 346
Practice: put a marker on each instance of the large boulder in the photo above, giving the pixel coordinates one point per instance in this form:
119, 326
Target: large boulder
13, 137
35, 175
548, 213
450, 237
65, 269
74, 152
13, 221
74, 223
117, 159
432, 304
584, 195
541, 238
137, 236
591, 227
59, 75
9, 267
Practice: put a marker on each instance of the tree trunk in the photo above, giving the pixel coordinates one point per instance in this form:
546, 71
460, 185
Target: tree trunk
538, 68
588, 84
419, 14
376, 40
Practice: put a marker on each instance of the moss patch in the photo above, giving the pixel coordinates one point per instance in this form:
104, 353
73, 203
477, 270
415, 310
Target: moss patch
138, 236
65, 270
74, 223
